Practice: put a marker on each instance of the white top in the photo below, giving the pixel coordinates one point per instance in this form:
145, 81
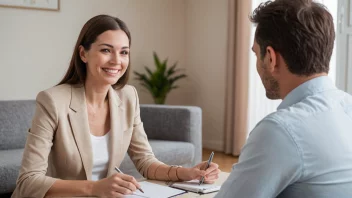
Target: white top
100, 148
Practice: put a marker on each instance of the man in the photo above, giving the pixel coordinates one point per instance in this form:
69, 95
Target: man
304, 149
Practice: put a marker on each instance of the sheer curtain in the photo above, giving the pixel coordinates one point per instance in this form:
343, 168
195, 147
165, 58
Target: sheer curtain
258, 105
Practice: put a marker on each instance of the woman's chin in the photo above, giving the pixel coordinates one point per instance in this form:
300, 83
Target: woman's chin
111, 81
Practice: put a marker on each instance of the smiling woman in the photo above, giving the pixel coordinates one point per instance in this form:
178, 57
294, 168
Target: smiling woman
103, 47
84, 126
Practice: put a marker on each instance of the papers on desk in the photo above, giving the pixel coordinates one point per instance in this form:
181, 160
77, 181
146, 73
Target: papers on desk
152, 190
194, 186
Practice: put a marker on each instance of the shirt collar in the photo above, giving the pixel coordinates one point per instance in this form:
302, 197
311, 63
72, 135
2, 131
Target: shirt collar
315, 85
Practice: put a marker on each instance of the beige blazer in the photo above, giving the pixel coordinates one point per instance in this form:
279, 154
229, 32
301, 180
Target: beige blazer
59, 146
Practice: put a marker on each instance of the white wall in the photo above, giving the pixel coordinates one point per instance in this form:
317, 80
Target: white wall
36, 47
206, 35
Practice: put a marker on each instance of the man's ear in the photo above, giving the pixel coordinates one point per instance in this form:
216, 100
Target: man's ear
82, 53
271, 61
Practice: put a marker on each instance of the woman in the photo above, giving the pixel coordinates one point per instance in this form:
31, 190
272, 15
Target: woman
83, 127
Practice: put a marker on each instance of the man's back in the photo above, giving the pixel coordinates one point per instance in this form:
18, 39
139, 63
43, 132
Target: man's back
321, 125
302, 150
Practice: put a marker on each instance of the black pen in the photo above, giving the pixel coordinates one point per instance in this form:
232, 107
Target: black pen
119, 171
208, 164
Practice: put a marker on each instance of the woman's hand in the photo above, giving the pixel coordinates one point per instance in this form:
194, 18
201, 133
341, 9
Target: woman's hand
116, 185
210, 175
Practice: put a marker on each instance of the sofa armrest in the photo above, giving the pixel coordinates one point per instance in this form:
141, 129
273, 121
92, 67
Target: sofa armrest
174, 123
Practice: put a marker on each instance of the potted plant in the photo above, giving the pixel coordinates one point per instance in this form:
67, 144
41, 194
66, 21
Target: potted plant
160, 81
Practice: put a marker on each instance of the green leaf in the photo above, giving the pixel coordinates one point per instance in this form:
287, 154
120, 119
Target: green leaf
171, 70
149, 71
156, 60
159, 82
174, 79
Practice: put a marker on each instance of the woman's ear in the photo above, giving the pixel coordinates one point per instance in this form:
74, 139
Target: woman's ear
82, 53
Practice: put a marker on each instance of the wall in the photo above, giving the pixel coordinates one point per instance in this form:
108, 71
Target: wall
36, 47
206, 46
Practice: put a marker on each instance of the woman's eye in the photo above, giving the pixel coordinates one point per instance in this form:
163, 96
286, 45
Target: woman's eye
105, 50
124, 52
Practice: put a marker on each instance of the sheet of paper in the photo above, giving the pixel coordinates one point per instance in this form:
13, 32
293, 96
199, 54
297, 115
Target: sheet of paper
195, 187
152, 190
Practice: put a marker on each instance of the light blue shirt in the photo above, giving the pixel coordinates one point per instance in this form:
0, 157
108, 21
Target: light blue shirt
304, 149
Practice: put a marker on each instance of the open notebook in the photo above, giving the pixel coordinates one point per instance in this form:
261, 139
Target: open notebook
194, 186
152, 190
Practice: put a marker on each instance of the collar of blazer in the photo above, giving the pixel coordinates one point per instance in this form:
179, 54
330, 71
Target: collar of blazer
80, 128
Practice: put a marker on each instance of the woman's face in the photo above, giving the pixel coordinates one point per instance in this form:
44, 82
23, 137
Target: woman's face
107, 59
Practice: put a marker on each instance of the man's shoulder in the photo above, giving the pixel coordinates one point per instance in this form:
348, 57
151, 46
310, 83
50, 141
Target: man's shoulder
291, 117
271, 125
317, 104
279, 118
277, 125
318, 108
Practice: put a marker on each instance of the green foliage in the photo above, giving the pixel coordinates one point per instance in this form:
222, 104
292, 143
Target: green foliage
161, 81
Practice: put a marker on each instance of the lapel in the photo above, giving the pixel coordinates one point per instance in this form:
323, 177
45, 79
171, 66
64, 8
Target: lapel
80, 127
118, 124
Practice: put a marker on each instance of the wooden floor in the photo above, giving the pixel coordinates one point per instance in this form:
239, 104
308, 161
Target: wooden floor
225, 161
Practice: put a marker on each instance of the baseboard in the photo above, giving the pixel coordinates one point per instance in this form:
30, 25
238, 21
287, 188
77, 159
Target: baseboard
213, 145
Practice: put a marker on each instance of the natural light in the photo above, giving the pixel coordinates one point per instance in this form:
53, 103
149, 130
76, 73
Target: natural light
259, 105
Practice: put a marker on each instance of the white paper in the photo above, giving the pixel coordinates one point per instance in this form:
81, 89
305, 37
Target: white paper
195, 187
152, 190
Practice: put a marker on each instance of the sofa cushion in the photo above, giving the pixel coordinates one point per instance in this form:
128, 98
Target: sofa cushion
169, 152
15, 119
10, 163
173, 152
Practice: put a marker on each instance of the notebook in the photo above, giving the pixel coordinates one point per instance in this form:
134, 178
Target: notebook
194, 186
152, 190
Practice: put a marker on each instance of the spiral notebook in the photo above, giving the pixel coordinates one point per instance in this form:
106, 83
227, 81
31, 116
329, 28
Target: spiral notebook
194, 186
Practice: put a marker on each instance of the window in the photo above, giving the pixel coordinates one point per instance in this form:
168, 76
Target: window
344, 46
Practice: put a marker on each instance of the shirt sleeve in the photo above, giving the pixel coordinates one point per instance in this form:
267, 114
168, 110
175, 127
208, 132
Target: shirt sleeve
270, 161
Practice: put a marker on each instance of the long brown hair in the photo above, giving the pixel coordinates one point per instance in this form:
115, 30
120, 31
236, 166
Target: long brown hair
77, 71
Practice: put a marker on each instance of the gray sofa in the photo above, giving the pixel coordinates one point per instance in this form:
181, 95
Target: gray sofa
174, 133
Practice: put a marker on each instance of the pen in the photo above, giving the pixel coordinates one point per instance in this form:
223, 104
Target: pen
119, 171
209, 161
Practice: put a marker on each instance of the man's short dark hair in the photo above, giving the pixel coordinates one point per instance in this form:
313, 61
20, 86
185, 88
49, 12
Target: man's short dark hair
302, 31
